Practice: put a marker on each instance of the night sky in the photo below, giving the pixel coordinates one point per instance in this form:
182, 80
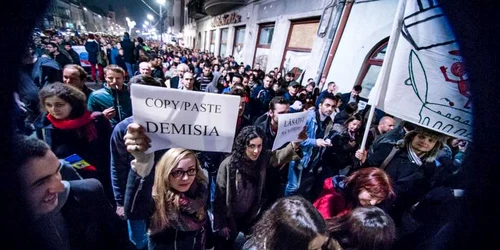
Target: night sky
134, 9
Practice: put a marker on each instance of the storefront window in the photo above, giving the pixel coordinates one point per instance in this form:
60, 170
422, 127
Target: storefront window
239, 39
223, 42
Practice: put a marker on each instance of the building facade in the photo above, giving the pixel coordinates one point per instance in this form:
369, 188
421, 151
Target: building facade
341, 40
73, 15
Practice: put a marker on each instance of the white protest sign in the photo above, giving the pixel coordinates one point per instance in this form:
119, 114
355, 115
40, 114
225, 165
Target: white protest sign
427, 83
289, 128
185, 119
84, 55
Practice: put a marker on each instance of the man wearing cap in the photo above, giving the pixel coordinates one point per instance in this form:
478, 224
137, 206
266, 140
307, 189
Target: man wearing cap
293, 89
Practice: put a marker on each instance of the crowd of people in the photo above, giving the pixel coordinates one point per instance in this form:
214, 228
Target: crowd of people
91, 184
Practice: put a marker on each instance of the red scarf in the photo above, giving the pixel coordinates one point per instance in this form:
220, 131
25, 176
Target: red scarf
84, 121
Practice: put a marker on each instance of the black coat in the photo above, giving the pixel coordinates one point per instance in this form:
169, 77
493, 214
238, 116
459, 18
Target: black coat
90, 218
128, 50
139, 205
64, 143
345, 100
410, 181
75, 57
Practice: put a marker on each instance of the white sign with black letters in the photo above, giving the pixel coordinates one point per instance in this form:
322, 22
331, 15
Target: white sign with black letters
185, 119
289, 128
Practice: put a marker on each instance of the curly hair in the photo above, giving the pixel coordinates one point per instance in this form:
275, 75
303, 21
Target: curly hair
68, 93
291, 223
239, 160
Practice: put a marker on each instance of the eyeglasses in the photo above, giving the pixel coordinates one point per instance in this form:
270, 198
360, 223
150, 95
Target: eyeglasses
181, 173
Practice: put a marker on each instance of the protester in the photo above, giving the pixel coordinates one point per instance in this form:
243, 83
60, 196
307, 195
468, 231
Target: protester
128, 53
145, 68
293, 89
74, 56
70, 129
331, 89
411, 166
240, 183
93, 48
364, 228
318, 124
353, 96
291, 223
173, 198
76, 76
113, 100
71, 214
55, 54
365, 187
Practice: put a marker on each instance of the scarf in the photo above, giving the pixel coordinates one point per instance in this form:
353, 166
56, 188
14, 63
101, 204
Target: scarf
412, 156
84, 121
191, 215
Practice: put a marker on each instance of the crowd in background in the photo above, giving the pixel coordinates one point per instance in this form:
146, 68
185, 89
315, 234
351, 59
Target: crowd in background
319, 192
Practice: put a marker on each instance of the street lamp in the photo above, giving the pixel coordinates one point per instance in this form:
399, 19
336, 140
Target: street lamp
85, 9
150, 17
146, 23
161, 3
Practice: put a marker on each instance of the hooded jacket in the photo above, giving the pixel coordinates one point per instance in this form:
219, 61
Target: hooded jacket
212, 87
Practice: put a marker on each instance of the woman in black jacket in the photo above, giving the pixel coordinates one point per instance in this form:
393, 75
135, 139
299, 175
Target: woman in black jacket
74, 133
411, 166
172, 200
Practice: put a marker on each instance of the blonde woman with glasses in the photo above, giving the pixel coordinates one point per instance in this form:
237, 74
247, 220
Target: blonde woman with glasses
173, 198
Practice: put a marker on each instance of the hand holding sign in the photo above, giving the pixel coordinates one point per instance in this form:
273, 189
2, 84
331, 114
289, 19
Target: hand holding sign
136, 140
290, 128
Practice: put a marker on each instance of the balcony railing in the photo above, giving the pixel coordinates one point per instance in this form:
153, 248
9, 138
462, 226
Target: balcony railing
217, 7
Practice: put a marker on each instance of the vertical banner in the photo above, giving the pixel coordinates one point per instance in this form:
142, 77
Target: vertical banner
426, 83
185, 119
289, 128
84, 55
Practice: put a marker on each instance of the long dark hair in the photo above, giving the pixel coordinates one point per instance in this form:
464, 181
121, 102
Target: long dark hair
291, 223
73, 96
239, 159
364, 228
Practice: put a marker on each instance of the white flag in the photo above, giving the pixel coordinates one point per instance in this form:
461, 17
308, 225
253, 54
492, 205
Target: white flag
424, 81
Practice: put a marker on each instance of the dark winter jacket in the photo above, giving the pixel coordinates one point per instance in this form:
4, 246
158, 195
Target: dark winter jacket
392, 137
128, 50
120, 160
139, 205
75, 57
105, 98
92, 48
86, 219
67, 142
225, 193
269, 135
410, 181
345, 100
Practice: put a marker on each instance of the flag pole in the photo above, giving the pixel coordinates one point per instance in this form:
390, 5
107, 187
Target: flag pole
383, 78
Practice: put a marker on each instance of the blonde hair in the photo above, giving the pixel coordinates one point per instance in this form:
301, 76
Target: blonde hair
163, 195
